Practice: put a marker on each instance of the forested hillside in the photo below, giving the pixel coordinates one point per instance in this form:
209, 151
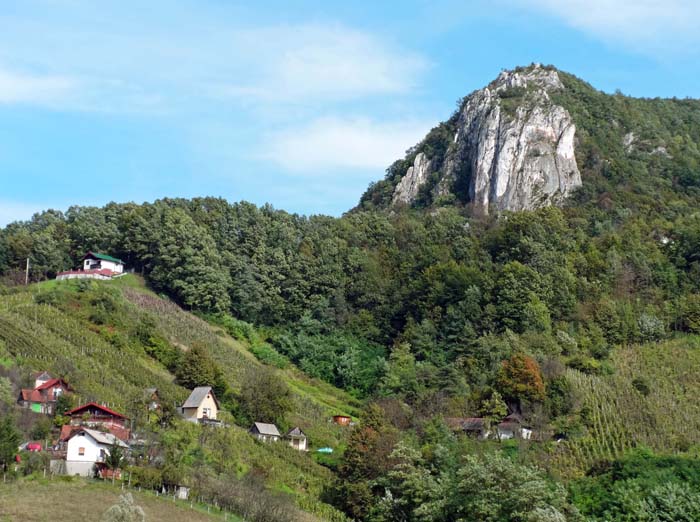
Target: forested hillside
581, 319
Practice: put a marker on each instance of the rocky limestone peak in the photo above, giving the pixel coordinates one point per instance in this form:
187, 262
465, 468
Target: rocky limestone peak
512, 149
534, 76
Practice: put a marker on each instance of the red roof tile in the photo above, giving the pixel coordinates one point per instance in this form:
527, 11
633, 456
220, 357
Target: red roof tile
68, 429
30, 395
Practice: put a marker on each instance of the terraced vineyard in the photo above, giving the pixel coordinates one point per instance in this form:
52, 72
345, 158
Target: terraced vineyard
650, 400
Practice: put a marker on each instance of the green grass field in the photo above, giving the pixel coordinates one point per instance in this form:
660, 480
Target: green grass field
42, 500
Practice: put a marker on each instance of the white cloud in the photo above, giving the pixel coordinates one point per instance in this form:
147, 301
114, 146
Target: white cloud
654, 26
299, 63
332, 143
18, 87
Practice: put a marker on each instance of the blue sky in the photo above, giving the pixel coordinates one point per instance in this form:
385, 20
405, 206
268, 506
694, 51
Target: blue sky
298, 103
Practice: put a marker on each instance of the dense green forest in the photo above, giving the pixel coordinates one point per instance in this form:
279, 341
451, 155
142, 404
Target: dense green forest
582, 319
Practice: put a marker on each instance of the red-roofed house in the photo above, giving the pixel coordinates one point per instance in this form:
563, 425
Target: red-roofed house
96, 416
42, 399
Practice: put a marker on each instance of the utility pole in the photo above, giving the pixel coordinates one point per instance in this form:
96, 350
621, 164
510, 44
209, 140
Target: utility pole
26, 274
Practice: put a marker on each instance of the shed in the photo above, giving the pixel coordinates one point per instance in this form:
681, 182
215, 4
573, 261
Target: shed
297, 439
265, 432
342, 420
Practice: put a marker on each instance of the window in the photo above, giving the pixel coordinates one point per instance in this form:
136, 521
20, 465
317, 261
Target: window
206, 412
81, 451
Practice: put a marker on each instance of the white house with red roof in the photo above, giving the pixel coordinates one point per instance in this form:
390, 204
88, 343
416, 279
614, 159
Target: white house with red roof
95, 266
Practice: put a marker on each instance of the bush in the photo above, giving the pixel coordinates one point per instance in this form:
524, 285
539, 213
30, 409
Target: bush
641, 385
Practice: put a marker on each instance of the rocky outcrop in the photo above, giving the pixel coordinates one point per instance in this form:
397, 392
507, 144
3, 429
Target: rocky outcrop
513, 148
416, 176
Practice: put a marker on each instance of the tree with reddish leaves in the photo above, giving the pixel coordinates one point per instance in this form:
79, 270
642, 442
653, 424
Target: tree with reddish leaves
519, 378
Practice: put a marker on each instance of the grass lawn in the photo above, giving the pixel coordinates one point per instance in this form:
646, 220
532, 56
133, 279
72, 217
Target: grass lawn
44, 500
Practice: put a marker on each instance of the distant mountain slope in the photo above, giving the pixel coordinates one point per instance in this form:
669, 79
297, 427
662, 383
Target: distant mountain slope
534, 135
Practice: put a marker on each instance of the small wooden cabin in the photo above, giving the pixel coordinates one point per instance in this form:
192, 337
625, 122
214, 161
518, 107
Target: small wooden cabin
342, 420
297, 439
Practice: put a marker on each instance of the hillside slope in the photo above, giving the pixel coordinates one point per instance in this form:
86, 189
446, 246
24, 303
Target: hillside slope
649, 400
93, 334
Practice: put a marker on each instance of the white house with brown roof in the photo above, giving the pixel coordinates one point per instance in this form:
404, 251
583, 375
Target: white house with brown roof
201, 405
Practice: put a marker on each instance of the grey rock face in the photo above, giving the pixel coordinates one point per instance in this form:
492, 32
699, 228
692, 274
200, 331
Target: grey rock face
407, 189
517, 154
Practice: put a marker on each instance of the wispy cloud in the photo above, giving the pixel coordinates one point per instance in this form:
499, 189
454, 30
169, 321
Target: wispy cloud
18, 87
649, 26
337, 143
329, 62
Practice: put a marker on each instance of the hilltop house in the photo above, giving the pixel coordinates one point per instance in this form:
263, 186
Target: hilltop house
297, 439
95, 266
86, 451
42, 398
201, 405
265, 432
97, 417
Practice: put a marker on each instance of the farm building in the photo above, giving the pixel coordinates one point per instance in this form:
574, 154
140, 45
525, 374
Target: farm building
201, 405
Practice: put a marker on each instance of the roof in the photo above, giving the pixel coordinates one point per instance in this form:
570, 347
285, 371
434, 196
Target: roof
296, 432
100, 436
97, 406
53, 382
68, 429
30, 395
103, 271
150, 391
473, 423
44, 376
455, 423
266, 429
104, 257
198, 395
